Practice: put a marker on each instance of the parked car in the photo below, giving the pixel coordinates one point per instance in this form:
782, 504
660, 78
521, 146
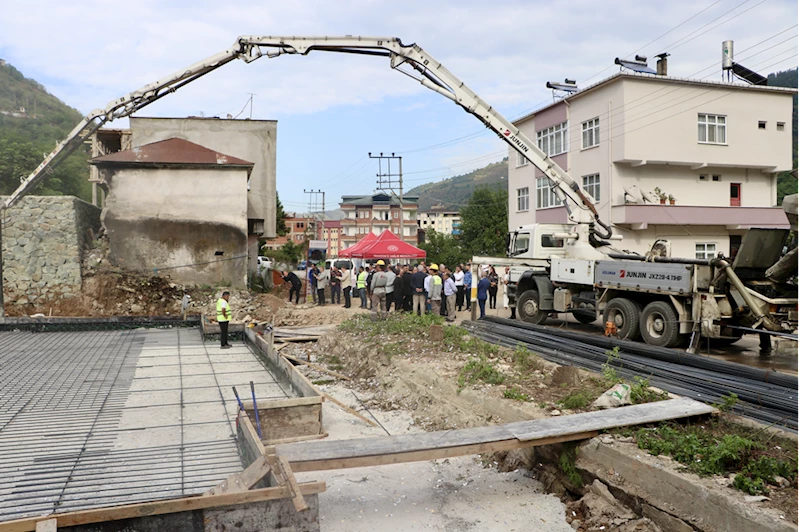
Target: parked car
264, 263
303, 265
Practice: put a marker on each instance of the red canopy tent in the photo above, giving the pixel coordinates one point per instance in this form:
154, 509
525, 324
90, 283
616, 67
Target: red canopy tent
388, 246
365, 241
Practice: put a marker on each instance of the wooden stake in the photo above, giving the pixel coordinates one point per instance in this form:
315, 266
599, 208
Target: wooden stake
348, 409
242, 481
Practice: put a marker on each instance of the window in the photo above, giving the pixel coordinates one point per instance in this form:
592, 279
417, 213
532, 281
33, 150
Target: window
712, 129
554, 140
522, 199
396, 215
761, 124
591, 133
702, 177
521, 244
591, 185
545, 195
521, 160
780, 126
549, 241
705, 250
716, 178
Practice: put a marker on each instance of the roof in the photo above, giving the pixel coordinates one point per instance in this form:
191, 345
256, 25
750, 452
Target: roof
662, 79
332, 224
174, 151
376, 199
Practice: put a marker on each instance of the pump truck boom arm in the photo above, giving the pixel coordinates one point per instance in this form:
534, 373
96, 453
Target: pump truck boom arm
411, 60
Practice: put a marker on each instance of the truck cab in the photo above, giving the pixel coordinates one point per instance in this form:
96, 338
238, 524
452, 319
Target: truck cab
538, 241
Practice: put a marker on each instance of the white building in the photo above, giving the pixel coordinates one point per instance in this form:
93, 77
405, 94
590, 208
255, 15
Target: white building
714, 147
440, 219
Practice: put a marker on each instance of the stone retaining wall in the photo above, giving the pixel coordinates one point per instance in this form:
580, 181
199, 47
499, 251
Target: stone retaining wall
43, 239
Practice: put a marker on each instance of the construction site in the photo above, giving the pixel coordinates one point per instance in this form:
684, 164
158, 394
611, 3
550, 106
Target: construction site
147, 385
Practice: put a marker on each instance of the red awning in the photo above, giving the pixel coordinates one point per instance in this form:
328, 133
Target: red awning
388, 246
365, 241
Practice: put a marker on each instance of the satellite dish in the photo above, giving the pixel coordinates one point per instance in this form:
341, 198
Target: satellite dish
648, 196
634, 194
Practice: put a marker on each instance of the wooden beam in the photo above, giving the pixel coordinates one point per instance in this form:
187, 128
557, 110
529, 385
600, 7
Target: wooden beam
297, 338
288, 475
317, 367
359, 452
251, 437
348, 409
243, 481
266, 404
296, 439
168, 506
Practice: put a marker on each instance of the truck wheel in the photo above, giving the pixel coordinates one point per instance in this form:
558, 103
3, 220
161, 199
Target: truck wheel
626, 314
527, 307
660, 325
584, 317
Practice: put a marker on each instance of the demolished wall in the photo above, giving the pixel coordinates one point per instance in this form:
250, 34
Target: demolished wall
43, 242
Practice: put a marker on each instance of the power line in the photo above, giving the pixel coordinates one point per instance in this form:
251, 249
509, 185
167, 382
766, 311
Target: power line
676, 44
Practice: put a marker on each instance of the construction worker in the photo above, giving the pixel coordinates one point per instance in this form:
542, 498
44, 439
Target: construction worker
223, 317
360, 285
378, 289
433, 286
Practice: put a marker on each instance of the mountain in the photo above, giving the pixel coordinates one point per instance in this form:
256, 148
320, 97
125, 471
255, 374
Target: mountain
31, 122
455, 192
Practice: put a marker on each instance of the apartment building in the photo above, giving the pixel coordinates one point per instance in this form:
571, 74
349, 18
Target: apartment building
300, 228
714, 148
376, 213
440, 219
330, 233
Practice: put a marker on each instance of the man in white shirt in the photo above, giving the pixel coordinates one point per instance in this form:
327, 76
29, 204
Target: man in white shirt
459, 286
450, 292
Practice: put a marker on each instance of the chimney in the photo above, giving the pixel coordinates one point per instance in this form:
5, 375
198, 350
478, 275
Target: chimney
663, 64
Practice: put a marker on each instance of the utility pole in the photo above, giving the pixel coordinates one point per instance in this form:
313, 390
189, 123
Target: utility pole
391, 183
313, 209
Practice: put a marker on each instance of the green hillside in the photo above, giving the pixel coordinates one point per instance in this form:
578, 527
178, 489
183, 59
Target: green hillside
31, 122
455, 192
786, 181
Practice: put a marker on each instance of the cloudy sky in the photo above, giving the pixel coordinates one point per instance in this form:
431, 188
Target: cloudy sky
333, 109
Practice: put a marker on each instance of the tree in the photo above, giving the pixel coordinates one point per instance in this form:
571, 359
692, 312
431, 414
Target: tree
484, 222
280, 217
441, 247
289, 252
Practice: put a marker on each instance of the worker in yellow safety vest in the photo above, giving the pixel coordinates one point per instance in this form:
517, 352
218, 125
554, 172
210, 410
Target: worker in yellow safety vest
223, 317
360, 285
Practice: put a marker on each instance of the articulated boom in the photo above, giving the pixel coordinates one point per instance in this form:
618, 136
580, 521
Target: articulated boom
423, 67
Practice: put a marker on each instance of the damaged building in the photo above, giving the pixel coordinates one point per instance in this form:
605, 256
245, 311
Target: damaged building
190, 197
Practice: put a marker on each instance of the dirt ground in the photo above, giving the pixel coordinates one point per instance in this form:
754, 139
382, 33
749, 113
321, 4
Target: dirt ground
407, 373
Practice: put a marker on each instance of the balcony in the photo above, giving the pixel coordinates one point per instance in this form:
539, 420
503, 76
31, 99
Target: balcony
639, 217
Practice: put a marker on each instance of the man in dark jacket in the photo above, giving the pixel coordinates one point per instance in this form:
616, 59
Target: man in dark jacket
296, 285
407, 289
398, 289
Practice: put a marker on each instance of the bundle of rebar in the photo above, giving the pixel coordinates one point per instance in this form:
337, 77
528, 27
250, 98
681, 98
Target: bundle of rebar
766, 396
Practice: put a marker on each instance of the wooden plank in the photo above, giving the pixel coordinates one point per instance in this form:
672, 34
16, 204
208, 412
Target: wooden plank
250, 435
317, 367
313, 456
297, 338
282, 403
299, 382
298, 500
612, 418
242, 481
168, 506
51, 525
348, 409
430, 454
295, 439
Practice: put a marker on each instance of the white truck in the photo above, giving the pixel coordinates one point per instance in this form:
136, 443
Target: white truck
662, 300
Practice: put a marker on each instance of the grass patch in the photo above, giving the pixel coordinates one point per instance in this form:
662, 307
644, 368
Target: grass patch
566, 464
712, 450
516, 395
479, 368
641, 393
456, 338
322, 382
608, 371
392, 349
392, 324
525, 360
577, 400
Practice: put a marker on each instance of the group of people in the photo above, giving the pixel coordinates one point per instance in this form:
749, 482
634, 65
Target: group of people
420, 289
